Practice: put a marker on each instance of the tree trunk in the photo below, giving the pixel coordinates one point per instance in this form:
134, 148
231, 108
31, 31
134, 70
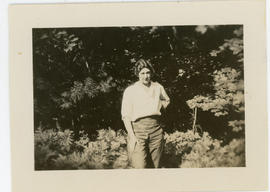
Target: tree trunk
194, 119
76, 126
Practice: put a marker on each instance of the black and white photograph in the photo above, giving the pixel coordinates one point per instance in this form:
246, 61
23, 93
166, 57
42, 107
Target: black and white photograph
139, 97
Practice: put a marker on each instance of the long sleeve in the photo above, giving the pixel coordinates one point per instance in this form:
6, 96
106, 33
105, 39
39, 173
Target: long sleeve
126, 112
126, 109
164, 98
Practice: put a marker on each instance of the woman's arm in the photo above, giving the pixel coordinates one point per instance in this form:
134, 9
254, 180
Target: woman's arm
128, 126
126, 112
132, 140
165, 100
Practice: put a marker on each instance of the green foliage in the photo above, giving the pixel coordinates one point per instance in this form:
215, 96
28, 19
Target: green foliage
58, 151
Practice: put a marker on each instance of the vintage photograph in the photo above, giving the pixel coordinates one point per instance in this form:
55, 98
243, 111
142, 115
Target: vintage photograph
138, 97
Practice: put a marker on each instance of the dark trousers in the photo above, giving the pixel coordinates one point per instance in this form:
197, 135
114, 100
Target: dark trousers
147, 151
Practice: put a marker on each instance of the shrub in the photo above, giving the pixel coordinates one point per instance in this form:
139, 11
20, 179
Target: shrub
49, 145
56, 150
176, 145
190, 150
208, 152
108, 151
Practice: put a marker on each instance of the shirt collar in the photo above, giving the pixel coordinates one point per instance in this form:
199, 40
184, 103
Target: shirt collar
138, 83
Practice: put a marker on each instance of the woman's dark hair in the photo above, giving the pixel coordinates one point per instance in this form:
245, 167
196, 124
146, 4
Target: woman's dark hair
142, 63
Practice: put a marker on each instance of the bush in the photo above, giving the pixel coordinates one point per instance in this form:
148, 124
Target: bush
56, 150
176, 145
50, 144
209, 153
189, 150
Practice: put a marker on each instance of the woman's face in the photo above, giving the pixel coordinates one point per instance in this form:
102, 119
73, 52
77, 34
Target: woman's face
145, 76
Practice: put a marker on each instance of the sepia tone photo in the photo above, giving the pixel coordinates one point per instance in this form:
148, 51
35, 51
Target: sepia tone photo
138, 97
164, 96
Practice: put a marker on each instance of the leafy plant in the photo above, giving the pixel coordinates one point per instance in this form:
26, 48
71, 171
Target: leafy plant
209, 153
49, 144
56, 150
229, 91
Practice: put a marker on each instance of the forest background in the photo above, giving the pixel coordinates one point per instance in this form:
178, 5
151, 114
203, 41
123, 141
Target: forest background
80, 75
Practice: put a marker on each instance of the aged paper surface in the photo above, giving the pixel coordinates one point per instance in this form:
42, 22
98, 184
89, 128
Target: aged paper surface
250, 13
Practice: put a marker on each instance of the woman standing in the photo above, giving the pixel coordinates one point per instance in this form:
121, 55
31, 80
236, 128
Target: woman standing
140, 111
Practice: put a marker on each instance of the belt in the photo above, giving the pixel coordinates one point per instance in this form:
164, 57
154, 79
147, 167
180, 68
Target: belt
156, 117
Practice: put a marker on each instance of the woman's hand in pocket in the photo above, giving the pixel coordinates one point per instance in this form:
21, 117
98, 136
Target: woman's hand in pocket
132, 140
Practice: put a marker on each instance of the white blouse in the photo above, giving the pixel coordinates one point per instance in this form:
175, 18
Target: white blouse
142, 101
